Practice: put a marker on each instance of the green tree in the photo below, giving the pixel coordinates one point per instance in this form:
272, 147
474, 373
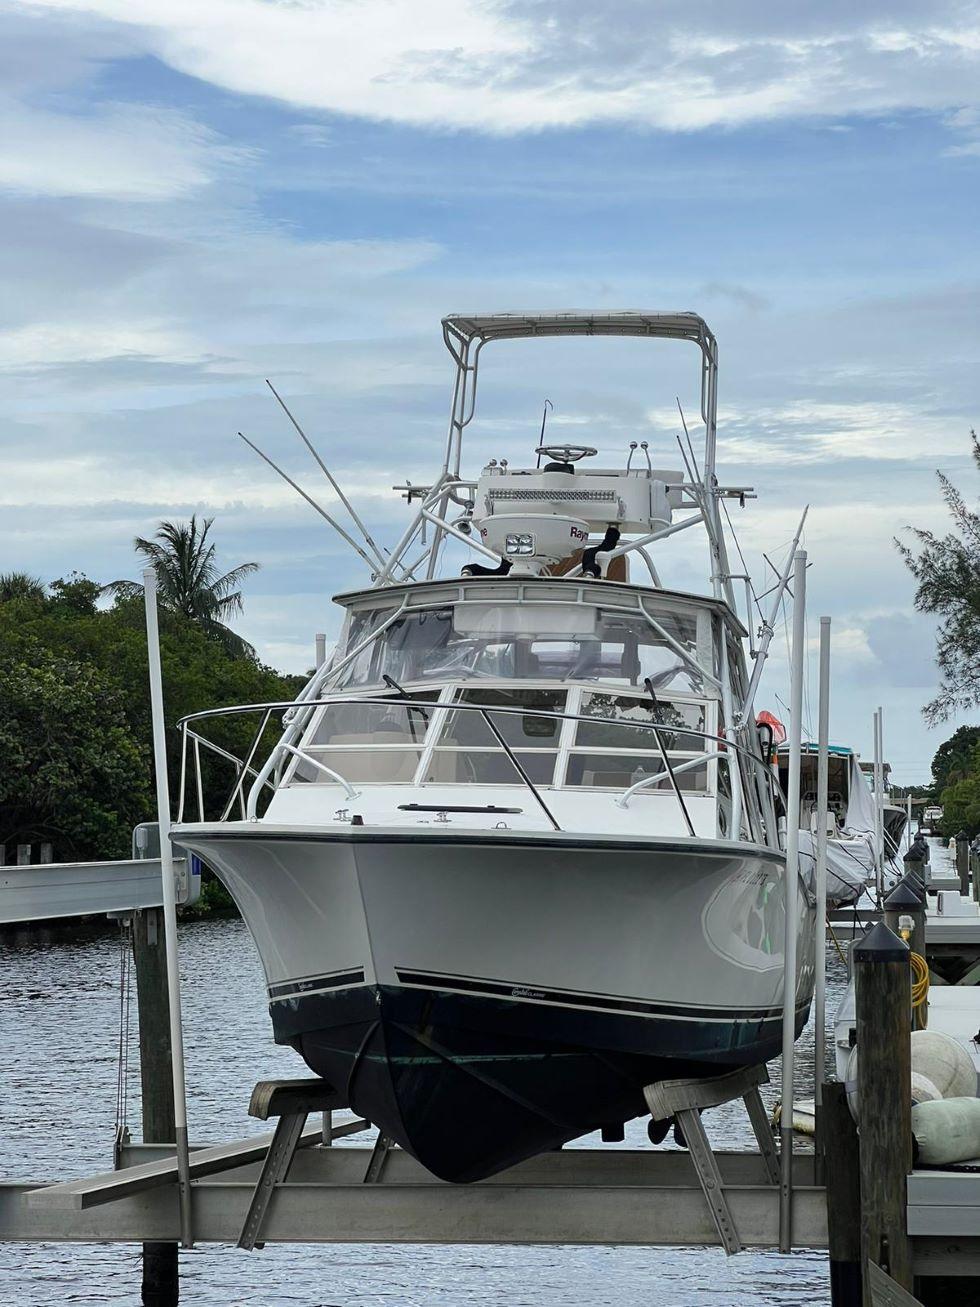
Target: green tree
80, 656
20, 585
74, 595
947, 569
73, 773
189, 583
961, 799
955, 758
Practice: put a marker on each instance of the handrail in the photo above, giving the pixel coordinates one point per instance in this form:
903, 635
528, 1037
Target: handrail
623, 800
723, 753
335, 775
665, 759
478, 707
240, 767
246, 766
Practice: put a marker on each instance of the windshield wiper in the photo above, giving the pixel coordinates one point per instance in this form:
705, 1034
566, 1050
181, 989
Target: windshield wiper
393, 684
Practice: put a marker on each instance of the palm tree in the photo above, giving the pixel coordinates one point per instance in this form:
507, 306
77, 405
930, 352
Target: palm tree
19, 585
188, 582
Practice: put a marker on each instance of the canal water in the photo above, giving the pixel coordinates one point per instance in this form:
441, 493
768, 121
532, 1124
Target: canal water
60, 1013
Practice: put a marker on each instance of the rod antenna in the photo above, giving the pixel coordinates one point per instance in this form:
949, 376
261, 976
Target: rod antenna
544, 420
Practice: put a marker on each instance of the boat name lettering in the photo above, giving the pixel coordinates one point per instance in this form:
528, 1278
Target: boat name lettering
521, 991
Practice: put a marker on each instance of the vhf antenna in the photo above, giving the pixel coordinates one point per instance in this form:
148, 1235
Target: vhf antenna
544, 419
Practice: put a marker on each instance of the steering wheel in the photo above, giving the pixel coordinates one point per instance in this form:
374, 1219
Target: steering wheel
566, 453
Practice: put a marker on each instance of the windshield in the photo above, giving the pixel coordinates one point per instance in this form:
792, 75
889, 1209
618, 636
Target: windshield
555, 642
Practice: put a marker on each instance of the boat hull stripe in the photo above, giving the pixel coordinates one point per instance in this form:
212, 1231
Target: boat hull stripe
573, 998
288, 989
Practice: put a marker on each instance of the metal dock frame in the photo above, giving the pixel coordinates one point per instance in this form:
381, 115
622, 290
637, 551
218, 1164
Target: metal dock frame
684, 1100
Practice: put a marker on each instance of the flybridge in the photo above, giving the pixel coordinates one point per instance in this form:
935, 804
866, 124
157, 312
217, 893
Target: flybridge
539, 520
564, 517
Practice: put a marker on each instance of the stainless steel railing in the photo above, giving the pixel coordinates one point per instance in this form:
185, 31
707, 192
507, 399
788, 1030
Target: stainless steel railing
719, 748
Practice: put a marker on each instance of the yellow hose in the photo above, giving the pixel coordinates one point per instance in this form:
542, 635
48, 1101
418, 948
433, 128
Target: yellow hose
920, 979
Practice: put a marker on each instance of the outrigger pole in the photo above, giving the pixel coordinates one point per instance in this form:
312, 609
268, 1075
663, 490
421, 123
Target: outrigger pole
768, 628
371, 562
369, 541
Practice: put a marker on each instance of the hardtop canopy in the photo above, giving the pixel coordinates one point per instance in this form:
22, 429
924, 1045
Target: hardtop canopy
513, 326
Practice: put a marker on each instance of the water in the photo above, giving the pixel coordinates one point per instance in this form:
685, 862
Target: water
59, 1031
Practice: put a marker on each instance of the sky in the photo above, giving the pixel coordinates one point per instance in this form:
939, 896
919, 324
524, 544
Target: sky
197, 196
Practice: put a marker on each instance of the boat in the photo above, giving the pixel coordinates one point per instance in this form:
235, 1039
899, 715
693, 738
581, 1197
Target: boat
932, 817
895, 818
852, 848
515, 852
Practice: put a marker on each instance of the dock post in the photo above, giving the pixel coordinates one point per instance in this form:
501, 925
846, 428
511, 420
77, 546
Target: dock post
905, 902
160, 1270
963, 861
790, 900
915, 866
843, 1179
169, 905
820, 889
883, 985
879, 785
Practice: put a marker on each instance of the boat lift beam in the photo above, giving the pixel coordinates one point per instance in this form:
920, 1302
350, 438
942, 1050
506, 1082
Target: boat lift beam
51, 890
573, 1196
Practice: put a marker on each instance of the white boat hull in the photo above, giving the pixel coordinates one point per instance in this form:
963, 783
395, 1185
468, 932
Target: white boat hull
482, 996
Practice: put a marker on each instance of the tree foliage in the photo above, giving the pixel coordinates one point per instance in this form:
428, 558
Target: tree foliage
947, 569
74, 773
189, 583
954, 759
75, 725
961, 798
20, 585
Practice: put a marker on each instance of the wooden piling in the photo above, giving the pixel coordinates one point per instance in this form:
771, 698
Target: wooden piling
843, 1179
160, 1277
883, 985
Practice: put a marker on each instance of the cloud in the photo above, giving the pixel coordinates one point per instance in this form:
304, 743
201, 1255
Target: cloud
506, 67
120, 152
904, 649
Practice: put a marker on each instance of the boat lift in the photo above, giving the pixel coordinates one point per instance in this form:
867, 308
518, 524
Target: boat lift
297, 1186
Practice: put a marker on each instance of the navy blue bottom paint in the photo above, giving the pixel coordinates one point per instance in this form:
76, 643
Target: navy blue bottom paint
470, 1085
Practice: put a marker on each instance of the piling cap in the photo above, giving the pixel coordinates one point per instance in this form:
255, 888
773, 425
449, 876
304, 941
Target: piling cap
903, 896
962, 835
916, 883
880, 945
915, 855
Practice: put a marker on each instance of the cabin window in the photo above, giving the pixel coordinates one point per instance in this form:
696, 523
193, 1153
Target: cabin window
615, 754
562, 642
379, 741
468, 752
